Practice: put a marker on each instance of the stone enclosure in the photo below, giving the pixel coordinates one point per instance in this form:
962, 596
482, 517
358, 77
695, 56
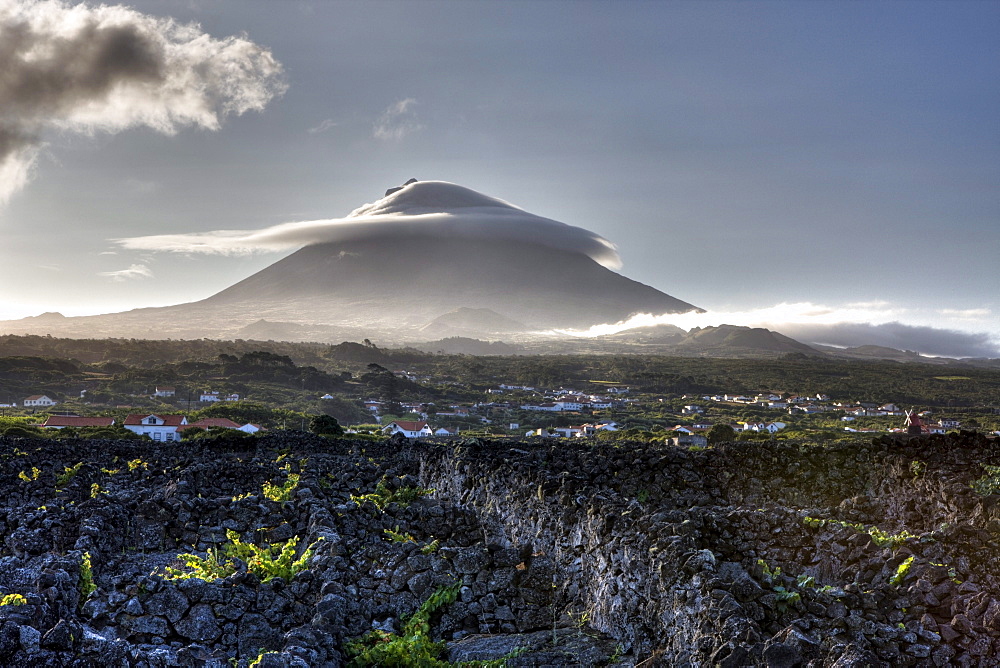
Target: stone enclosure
769, 554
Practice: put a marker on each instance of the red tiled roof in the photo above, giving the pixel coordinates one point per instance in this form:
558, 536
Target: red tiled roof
36, 397
77, 421
205, 423
407, 425
168, 420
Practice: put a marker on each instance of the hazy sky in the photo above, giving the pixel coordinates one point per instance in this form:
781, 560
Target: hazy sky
840, 158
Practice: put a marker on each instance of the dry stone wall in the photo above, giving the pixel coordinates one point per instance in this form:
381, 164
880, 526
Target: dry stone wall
766, 554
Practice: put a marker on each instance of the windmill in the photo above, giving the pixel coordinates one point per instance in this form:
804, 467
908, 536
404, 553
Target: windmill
913, 425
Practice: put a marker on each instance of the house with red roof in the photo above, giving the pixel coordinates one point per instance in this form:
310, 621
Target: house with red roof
61, 421
408, 429
208, 423
157, 427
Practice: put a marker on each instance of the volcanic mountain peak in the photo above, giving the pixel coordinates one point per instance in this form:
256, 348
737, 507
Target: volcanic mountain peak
392, 266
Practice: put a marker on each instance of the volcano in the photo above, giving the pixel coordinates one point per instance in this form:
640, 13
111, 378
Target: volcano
424, 250
461, 249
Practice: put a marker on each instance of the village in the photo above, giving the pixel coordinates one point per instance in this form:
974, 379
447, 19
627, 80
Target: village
513, 410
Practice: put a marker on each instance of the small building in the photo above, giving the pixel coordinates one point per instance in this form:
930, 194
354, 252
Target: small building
157, 427
408, 429
164, 391
39, 401
688, 440
209, 396
62, 421
225, 423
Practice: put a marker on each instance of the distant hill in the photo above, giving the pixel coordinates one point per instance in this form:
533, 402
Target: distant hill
652, 334
460, 345
471, 322
735, 341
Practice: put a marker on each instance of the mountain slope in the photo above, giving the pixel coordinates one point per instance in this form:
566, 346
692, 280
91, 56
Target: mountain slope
406, 282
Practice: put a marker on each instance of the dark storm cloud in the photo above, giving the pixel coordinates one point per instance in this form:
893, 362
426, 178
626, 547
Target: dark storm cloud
923, 339
108, 68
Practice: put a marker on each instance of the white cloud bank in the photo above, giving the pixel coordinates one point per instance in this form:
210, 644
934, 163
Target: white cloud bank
133, 272
856, 324
427, 208
85, 69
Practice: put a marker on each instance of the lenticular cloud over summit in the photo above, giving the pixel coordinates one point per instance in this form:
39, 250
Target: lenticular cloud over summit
426, 209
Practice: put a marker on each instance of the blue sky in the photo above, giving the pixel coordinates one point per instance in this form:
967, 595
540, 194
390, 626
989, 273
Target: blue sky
741, 155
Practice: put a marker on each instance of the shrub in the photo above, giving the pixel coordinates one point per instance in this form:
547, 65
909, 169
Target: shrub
267, 562
325, 425
989, 483
383, 495
901, 572
13, 599
282, 493
413, 647
68, 474
87, 586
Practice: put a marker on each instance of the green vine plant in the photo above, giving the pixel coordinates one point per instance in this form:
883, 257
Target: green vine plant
989, 483
383, 496
282, 493
87, 585
414, 647
13, 599
879, 537
136, 464
266, 562
397, 536
785, 596
901, 572
68, 474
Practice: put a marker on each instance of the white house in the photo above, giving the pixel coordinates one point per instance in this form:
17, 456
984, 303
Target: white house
692, 410
209, 396
39, 401
231, 397
408, 429
546, 407
164, 391
567, 432
445, 431
157, 427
